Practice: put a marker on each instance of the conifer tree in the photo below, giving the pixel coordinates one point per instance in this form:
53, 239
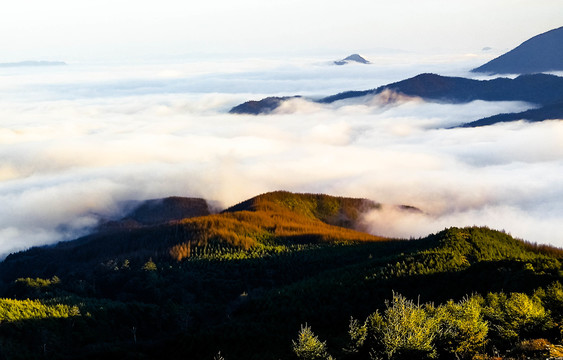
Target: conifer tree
309, 347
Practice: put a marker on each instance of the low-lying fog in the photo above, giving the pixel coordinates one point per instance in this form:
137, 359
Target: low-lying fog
77, 141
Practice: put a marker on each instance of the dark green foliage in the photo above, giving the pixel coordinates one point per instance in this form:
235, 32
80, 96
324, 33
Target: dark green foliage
553, 299
136, 300
35, 288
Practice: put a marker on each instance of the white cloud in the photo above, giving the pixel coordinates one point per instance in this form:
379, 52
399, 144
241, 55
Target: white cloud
67, 159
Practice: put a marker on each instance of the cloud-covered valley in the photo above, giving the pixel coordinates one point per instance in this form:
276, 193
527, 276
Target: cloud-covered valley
76, 143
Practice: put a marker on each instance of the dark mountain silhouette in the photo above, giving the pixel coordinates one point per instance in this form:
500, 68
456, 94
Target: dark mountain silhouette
160, 211
535, 88
266, 105
541, 89
354, 58
541, 53
172, 208
548, 112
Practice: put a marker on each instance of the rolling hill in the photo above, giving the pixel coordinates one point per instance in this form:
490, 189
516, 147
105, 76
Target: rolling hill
244, 281
338, 211
541, 53
176, 228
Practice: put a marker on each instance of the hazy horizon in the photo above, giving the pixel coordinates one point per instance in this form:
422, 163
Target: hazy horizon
64, 30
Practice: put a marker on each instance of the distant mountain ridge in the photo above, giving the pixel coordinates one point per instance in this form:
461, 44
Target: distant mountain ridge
547, 112
32, 63
541, 53
535, 88
542, 89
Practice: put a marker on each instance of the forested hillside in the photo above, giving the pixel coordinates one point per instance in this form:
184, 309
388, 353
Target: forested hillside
280, 276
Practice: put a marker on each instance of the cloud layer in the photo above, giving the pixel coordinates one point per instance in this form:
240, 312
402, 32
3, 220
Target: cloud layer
75, 144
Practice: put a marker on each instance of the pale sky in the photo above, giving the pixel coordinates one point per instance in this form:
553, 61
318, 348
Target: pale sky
71, 30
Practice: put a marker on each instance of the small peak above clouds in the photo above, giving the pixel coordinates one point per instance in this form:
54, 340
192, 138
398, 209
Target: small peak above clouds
354, 58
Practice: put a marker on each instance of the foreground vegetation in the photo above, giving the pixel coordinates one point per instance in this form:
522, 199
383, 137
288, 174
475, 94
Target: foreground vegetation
514, 324
269, 277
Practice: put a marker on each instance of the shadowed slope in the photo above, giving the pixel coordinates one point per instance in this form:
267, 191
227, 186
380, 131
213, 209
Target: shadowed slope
536, 88
168, 209
543, 52
548, 112
255, 107
160, 211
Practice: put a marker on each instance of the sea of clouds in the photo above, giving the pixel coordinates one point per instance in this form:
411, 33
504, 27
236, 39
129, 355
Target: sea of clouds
78, 141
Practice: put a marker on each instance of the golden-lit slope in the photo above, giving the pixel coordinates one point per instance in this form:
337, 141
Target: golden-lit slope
266, 224
278, 217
